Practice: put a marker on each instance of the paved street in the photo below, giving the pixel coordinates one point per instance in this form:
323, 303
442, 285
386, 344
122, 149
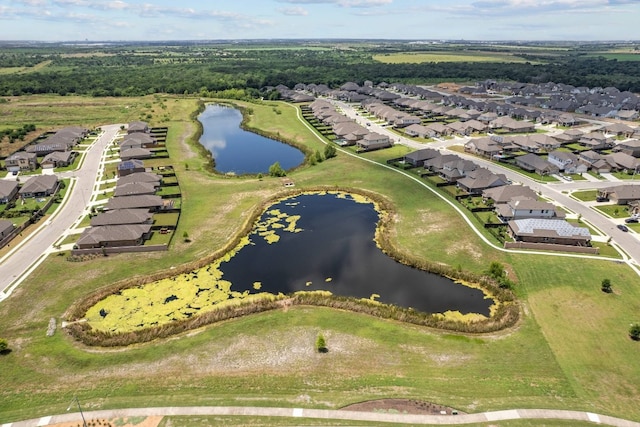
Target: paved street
22, 259
627, 241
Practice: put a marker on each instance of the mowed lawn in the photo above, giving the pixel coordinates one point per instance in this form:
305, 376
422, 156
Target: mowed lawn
570, 351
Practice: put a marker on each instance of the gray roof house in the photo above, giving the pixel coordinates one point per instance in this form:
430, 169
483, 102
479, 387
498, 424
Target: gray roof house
57, 159
138, 126
140, 177
135, 153
39, 186
109, 236
418, 157
21, 161
122, 216
555, 231
621, 194
151, 202
532, 163
8, 190
134, 189
567, 162
6, 227
128, 167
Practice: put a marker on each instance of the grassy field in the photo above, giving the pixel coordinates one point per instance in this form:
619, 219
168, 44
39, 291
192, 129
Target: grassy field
436, 56
570, 351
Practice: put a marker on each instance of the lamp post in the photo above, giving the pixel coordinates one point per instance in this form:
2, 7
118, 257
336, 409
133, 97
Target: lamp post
84, 422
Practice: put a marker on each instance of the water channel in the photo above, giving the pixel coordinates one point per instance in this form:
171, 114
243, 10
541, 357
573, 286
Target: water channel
238, 151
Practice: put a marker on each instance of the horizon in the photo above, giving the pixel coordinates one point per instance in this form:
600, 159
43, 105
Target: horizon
60, 21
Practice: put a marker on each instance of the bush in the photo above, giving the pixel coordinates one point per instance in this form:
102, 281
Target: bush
276, 170
329, 151
606, 286
321, 344
634, 332
4, 346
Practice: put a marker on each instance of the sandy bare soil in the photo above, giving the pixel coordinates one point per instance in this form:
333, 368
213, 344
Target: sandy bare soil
117, 422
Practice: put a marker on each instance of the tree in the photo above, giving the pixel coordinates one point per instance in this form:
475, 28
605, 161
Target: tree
496, 270
4, 346
329, 151
634, 332
276, 170
606, 286
321, 344
185, 237
318, 156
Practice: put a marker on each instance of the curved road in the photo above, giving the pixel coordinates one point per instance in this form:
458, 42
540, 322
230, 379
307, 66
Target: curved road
554, 191
512, 414
26, 256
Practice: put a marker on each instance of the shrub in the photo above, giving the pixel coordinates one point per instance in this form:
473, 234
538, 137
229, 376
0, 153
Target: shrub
606, 286
321, 344
634, 332
4, 345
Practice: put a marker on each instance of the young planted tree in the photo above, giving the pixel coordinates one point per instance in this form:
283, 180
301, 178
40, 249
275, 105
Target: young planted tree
321, 344
606, 286
330, 151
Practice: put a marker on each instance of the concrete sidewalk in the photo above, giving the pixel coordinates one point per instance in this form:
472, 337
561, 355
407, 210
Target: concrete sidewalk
324, 414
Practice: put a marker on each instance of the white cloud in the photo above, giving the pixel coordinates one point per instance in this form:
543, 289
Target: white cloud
293, 11
343, 3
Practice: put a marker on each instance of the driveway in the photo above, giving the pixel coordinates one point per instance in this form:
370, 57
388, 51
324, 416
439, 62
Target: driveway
26, 256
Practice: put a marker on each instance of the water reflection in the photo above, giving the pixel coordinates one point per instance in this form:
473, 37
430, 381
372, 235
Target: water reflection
336, 252
238, 151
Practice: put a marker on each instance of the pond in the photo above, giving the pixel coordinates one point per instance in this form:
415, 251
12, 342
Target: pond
238, 151
311, 242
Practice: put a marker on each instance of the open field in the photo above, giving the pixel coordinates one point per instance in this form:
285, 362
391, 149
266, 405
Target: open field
452, 56
570, 351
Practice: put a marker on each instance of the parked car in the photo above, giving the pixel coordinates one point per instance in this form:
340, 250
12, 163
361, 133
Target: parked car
622, 227
601, 199
633, 219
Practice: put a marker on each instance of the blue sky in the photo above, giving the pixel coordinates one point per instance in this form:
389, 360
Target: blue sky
99, 20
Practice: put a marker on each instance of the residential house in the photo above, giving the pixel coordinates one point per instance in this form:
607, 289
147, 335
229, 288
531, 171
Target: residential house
595, 141
436, 130
122, 216
620, 129
58, 159
111, 236
416, 131
21, 161
519, 207
138, 140
141, 177
8, 190
554, 231
455, 169
566, 162
39, 186
532, 163
417, 158
151, 202
502, 195
621, 194
623, 162
630, 147
6, 228
135, 153
128, 167
485, 147
138, 127
480, 179
134, 189
373, 141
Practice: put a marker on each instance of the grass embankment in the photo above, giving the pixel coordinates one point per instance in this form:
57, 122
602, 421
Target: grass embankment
570, 351
421, 57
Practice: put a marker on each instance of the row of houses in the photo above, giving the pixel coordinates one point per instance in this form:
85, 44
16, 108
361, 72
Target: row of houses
127, 218
527, 218
55, 150
347, 131
35, 186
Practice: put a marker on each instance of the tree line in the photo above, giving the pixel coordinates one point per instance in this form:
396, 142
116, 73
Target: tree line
247, 72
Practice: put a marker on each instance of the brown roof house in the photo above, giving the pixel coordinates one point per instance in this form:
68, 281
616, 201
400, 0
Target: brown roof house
134, 189
151, 202
128, 167
112, 236
39, 186
137, 140
505, 194
518, 208
621, 194
373, 141
480, 179
555, 231
57, 159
